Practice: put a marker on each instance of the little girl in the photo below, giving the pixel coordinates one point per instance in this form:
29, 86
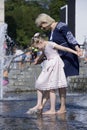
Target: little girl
52, 76
6, 70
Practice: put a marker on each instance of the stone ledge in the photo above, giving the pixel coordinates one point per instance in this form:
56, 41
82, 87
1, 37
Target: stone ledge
77, 83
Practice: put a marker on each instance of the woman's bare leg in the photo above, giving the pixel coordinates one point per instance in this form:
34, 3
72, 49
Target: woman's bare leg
62, 94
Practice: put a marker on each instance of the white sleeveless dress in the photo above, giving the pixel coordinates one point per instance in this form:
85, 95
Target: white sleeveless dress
52, 75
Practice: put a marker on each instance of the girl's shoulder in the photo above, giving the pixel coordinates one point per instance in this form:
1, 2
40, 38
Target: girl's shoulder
51, 44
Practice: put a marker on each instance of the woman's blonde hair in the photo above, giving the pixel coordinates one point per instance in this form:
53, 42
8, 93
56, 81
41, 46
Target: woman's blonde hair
44, 18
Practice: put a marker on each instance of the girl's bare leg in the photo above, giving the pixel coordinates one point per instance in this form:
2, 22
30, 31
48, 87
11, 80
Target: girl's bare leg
62, 94
5, 73
52, 103
38, 106
5, 78
45, 97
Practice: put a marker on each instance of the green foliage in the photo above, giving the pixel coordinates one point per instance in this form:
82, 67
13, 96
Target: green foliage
20, 16
54, 8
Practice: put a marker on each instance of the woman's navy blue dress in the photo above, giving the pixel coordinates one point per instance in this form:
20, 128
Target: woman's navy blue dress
63, 36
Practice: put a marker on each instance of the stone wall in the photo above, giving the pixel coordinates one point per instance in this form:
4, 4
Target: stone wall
79, 83
25, 80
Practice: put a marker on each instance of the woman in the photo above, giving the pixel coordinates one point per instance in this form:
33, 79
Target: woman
60, 33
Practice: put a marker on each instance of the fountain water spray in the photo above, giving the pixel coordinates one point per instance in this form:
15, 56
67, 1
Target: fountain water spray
3, 29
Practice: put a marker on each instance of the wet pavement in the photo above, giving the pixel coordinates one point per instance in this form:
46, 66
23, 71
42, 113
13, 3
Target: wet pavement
14, 106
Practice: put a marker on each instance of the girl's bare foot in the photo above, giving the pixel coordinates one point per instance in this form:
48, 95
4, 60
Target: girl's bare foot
31, 111
34, 109
50, 112
61, 111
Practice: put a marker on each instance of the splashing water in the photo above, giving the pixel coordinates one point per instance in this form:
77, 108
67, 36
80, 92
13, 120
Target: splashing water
3, 29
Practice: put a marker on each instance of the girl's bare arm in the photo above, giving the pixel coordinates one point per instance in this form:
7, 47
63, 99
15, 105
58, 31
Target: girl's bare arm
59, 47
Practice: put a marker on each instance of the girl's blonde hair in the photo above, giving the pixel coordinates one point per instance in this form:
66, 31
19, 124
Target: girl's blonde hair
36, 38
44, 18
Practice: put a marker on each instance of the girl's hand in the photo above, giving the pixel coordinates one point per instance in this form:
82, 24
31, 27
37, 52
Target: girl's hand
80, 52
35, 62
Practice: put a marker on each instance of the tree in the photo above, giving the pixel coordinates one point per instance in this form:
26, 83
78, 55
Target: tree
54, 8
20, 16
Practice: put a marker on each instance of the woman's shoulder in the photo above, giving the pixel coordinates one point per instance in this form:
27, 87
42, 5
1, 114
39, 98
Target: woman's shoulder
60, 25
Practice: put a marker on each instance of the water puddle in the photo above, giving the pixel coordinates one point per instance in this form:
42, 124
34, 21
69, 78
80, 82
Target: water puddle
13, 113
